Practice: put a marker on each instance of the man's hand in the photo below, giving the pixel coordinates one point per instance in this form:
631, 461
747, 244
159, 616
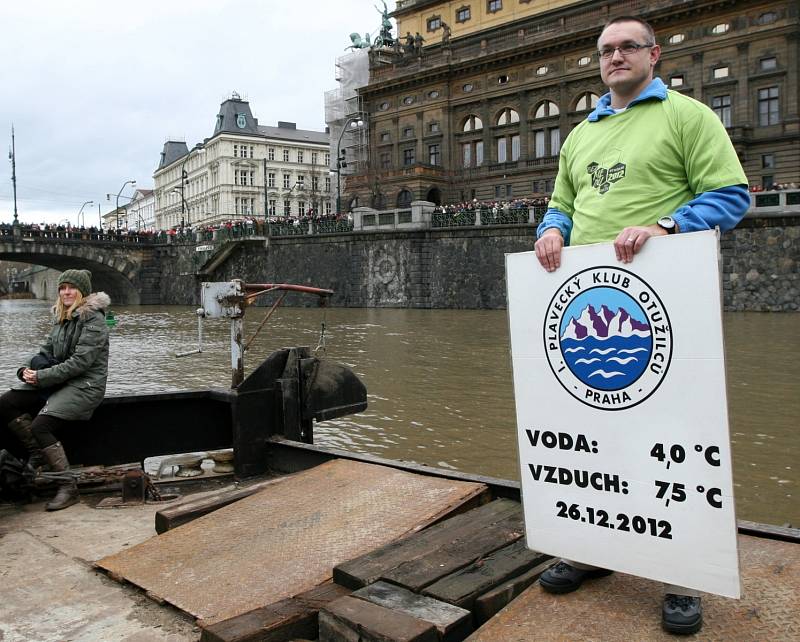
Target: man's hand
29, 376
548, 249
632, 239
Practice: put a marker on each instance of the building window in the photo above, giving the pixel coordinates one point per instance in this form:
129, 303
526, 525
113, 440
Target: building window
502, 150
768, 106
404, 198
502, 80
555, 141
286, 179
287, 208
676, 81
472, 123
328, 159
314, 158
470, 152
721, 28
385, 137
327, 208
463, 14
408, 132
301, 207
383, 106
434, 23
408, 157
515, 147
767, 18
314, 183
408, 100
271, 154
493, 6
434, 155
507, 117
722, 108
433, 127
767, 161
538, 143
327, 183
386, 160
583, 61
301, 181
272, 207
467, 87
587, 101
285, 155
768, 64
545, 109
720, 72
676, 38
542, 70
299, 156
434, 93
767, 182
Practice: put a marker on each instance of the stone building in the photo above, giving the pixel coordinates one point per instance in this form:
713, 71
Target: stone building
481, 108
243, 170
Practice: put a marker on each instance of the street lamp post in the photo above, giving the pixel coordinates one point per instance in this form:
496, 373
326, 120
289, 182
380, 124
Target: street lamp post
200, 149
80, 211
340, 162
130, 182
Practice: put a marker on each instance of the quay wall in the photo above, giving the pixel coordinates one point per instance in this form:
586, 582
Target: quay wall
463, 267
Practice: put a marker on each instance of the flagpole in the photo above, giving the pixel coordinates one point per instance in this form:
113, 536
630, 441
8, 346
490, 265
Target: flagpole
13, 156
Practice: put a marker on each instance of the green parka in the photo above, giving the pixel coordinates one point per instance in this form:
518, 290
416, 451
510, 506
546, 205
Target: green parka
80, 344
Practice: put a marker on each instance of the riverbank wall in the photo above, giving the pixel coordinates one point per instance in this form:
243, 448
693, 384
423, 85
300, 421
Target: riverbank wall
460, 267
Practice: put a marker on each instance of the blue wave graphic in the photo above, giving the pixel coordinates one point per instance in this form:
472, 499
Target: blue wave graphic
617, 370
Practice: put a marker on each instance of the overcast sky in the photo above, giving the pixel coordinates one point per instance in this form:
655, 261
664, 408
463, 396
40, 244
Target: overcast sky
94, 87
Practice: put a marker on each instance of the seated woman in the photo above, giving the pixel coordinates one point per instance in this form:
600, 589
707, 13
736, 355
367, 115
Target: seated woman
64, 382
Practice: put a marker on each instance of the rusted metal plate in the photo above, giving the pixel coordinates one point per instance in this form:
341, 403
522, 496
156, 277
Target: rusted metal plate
623, 607
285, 539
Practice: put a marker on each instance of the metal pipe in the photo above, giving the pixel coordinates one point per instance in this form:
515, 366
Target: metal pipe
288, 286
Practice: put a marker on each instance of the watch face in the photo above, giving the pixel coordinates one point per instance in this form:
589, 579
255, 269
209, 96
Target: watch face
667, 222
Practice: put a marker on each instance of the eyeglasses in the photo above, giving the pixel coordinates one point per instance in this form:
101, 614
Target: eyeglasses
625, 50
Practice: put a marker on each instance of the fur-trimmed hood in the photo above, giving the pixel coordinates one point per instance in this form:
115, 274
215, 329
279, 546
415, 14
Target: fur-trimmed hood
95, 302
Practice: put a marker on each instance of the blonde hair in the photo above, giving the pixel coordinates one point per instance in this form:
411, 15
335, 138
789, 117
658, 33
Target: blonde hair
63, 314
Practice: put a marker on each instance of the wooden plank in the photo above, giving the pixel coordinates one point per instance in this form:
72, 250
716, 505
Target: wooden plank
369, 567
172, 516
452, 622
456, 553
284, 620
491, 602
464, 586
352, 620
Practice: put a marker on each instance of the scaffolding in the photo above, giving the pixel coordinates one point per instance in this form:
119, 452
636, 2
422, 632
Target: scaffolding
348, 122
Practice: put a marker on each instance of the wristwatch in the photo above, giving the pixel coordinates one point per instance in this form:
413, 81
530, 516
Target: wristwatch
667, 223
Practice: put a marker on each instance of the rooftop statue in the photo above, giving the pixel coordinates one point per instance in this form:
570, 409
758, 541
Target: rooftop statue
385, 38
358, 42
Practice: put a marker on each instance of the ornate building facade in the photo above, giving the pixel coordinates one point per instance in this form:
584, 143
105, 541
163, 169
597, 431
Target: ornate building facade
481, 109
243, 170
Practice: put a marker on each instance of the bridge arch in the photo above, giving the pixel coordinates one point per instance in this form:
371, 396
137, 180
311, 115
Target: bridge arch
114, 271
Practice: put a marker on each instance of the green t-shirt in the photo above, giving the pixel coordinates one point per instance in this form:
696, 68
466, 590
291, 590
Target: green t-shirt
638, 165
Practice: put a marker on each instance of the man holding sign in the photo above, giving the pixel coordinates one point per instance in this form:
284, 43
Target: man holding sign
646, 162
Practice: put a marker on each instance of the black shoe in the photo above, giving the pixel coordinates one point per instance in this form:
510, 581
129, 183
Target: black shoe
682, 614
564, 578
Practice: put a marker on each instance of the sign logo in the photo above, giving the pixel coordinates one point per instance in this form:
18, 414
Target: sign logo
241, 121
607, 338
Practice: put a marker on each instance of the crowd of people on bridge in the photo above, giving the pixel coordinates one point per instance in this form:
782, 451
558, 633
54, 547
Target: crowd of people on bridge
493, 206
775, 187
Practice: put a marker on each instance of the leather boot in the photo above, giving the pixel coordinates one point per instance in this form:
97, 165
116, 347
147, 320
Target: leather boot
21, 427
67, 494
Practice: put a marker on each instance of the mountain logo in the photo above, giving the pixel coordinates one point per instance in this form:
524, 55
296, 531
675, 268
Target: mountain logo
607, 338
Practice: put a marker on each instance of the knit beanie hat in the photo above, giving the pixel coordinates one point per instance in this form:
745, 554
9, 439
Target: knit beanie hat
81, 279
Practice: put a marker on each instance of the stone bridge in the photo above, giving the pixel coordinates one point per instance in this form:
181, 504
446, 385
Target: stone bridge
126, 268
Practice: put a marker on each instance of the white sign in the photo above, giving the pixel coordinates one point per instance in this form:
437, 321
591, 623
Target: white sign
619, 380
204, 248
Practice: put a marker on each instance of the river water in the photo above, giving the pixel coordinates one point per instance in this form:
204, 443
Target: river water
439, 383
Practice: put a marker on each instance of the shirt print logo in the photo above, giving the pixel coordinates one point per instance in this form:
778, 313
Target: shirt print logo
602, 177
